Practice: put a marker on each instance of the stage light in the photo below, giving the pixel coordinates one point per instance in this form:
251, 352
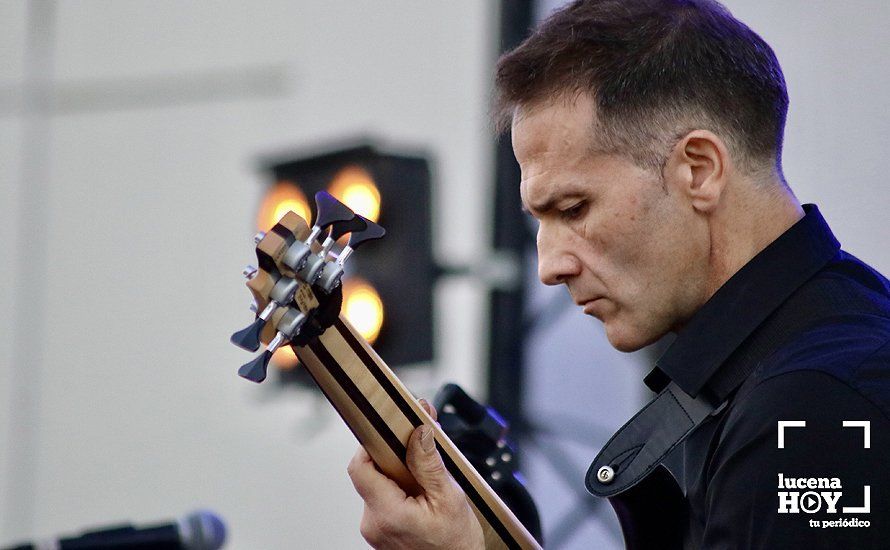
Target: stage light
285, 358
355, 187
363, 307
281, 198
395, 299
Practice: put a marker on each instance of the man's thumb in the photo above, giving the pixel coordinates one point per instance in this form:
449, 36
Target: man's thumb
425, 463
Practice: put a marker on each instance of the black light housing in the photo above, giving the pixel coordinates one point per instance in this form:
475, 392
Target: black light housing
400, 266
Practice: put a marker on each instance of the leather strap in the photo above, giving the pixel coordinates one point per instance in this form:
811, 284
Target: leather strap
646, 439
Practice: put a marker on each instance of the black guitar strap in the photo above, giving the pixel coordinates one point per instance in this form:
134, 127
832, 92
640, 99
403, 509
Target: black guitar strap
642, 444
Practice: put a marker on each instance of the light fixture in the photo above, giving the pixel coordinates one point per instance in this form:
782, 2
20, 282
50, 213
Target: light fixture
285, 358
392, 303
363, 307
281, 198
355, 187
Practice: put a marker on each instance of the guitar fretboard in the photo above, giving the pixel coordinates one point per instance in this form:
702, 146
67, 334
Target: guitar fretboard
382, 413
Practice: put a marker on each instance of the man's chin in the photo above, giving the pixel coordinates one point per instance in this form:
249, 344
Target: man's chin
627, 341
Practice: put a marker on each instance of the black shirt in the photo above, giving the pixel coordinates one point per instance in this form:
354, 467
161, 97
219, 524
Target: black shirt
800, 334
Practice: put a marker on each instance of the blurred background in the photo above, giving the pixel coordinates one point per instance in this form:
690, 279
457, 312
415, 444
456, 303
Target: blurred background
138, 140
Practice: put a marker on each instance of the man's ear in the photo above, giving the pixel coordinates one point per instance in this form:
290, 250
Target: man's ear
698, 166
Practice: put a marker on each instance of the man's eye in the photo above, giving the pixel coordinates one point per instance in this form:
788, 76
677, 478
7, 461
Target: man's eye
574, 212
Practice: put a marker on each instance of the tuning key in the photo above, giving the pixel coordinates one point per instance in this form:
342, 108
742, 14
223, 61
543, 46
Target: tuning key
330, 211
249, 271
332, 273
249, 337
290, 323
258, 237
296, 255
328, 274
338, 229
282, 293
371, 233
255, 370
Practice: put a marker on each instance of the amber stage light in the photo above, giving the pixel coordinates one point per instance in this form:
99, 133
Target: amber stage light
355, 187
363, 307
281, 198
285, 358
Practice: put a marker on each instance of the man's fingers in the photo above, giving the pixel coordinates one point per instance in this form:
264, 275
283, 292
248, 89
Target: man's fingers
376, 489
429, 408
425, 463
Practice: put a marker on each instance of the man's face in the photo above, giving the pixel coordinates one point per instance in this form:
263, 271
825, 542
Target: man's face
629, 247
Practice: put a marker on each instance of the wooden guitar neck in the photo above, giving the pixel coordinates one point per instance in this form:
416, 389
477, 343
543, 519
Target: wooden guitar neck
382, 413
375, 405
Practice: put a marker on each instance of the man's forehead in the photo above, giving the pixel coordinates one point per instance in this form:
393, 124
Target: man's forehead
562, 124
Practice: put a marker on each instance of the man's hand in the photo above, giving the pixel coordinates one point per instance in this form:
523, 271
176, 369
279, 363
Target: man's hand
440, 517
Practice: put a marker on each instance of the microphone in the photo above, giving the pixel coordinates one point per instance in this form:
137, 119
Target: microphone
200, 530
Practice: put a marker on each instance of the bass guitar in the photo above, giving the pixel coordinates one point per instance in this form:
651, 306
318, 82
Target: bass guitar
298, 295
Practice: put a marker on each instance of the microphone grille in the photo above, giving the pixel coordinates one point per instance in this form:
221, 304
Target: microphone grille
202, 530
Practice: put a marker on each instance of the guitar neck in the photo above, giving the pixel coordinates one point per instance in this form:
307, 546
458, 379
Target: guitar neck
382, 413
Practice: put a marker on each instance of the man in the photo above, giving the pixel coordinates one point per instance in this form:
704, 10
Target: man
649, 134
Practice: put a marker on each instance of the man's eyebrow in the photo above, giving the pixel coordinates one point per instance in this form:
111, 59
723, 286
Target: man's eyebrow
546, 206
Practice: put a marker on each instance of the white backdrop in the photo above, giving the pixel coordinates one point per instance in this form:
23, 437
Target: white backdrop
115, 366
126, 215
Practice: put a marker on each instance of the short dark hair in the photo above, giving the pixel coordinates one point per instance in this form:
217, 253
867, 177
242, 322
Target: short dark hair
656, 69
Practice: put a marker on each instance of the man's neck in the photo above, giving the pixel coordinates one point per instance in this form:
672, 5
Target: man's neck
755, 215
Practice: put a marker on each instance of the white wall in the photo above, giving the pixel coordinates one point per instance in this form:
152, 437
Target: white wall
133, 407
834, 55
147, 216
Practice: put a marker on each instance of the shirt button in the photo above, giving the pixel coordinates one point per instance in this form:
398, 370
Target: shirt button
605, 475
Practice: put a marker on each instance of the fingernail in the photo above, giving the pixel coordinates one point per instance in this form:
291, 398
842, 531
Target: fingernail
427, 441
425, 404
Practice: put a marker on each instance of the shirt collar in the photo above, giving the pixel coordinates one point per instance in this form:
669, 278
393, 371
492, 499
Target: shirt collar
744, 302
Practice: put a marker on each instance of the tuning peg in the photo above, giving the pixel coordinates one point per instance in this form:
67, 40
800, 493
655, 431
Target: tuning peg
338, 229
282, 293
290, 323
296, 255
315, 266
249, 271
330, 276
249, 337
288, 327
330, 211
332, 273
258, 237
372, 232
256, 370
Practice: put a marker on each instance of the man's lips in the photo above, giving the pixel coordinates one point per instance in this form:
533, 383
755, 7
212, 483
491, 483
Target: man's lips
589, 303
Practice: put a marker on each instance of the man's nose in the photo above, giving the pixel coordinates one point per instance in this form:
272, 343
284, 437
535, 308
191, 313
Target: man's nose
556, 262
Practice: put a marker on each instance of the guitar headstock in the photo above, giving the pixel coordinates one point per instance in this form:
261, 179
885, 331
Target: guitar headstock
296, 285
